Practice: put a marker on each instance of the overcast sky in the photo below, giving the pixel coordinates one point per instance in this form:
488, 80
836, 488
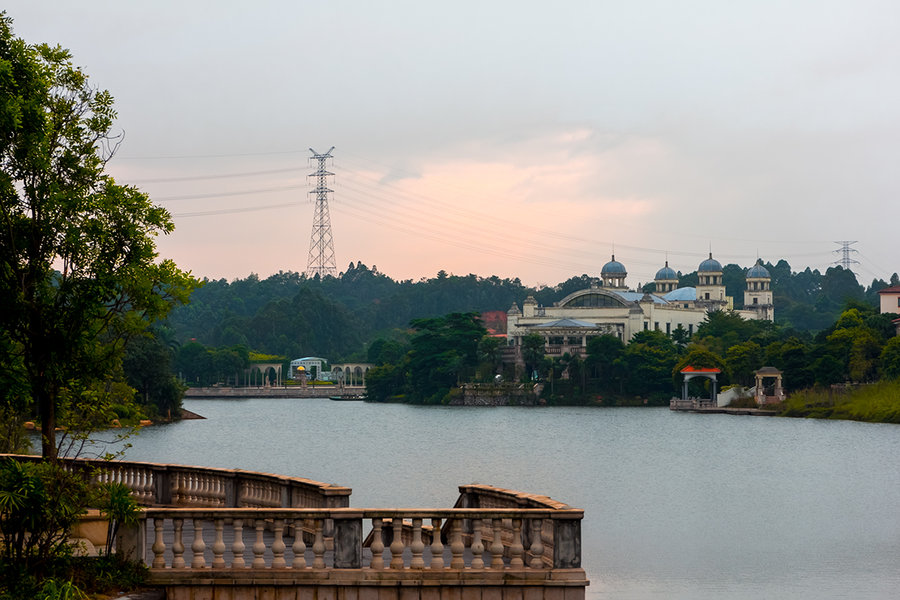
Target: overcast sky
518, 139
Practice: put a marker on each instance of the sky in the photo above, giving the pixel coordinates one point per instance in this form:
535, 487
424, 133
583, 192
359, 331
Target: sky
510, 138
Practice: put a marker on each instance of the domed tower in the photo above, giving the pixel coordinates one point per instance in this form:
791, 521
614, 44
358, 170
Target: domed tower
710, 287
758, 295
613, 275
666, 280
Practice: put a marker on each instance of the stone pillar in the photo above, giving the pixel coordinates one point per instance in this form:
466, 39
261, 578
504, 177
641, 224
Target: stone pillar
348, 542
566, 544
130, 541
162, 485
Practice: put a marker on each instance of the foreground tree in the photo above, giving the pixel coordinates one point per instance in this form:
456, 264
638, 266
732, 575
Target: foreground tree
78, 266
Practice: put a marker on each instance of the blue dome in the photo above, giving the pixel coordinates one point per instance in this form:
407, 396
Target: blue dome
710, 265
758, 271
613, 267
666, 273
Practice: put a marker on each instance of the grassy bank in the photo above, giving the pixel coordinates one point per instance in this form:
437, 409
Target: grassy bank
875, 403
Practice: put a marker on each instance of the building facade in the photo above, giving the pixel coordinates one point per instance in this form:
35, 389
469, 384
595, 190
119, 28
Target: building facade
610, 308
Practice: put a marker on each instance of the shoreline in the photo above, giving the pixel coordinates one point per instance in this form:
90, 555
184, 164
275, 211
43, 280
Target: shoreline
274, 392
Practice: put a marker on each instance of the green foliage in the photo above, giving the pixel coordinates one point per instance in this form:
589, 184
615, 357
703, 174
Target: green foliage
647, 363
877, 403
532, 352
78, 266
386, 382
147, 366
743, 360
601, 364
382, 351
55, 589
444, 352
119, 506
39, 504
203, 366
890, 359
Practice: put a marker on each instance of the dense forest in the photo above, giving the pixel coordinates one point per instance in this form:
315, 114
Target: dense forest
290, 315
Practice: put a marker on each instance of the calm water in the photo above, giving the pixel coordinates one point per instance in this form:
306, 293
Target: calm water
676, 505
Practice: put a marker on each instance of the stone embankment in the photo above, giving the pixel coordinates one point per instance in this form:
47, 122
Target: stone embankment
290, 391
494, 394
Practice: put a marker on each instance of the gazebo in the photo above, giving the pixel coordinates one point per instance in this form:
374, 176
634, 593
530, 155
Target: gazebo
710, 373
777, 390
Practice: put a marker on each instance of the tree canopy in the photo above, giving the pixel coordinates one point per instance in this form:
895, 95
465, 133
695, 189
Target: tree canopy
79, 271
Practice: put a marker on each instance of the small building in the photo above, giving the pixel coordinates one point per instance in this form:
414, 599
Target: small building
312, 367
768, 386
890, 299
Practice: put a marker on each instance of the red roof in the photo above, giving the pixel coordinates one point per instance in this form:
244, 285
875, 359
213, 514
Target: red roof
700, 370
894, 289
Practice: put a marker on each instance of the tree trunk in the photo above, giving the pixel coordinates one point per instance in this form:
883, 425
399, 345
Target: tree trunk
47, 412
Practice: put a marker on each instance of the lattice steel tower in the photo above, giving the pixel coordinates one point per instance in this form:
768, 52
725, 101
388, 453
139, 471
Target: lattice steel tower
321, 244
845, 251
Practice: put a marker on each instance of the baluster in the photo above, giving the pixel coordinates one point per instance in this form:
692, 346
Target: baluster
137, 480
259, 547
278, 545
417, 546
146, 487
177, 545
198, 547
537, 546
377, 546
129, 479
237, 547
159, 547
176, 487
220, 499
195, 488
497, 544
516, 550
477, 546
299, 546
219, 545
188, 488
149, 486
456, 545
397, 543
437, 548
203, 489
319, 546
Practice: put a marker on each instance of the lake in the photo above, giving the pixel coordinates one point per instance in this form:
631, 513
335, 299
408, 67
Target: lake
677, 505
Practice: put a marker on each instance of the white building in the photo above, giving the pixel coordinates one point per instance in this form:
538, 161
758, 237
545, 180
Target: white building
613, 309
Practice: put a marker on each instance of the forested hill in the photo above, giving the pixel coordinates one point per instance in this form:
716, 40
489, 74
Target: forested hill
290, 315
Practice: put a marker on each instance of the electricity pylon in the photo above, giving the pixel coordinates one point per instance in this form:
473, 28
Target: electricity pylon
321, 243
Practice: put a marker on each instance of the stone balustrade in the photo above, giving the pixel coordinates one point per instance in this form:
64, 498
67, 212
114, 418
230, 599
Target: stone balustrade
257, 539
226, 534
155, 484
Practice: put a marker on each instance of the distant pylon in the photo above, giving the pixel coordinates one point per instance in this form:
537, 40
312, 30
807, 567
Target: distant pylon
321, 244
845, 251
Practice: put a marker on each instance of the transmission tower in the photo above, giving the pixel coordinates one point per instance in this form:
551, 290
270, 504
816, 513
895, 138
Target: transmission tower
845, 251
321, 244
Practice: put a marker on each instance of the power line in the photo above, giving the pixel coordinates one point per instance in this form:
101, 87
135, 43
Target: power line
217, 176
225, 194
